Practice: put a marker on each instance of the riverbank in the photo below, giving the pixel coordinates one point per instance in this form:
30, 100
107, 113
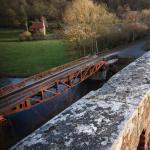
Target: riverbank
130, 51
21, 59
50, 57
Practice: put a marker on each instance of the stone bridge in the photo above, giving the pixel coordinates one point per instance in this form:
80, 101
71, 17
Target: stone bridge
116, 116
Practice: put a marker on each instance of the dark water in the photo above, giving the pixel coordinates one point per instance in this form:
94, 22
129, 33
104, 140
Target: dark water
21, 124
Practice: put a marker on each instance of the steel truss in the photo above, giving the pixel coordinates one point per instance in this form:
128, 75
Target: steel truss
55, 88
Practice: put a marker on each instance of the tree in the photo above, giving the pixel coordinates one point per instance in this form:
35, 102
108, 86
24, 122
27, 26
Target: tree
85, 21
145, 16
13, 14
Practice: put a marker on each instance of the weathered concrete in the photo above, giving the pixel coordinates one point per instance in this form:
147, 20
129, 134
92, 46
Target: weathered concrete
113, 117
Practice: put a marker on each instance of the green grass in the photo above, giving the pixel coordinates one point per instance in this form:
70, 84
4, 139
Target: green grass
30, 57
7, 35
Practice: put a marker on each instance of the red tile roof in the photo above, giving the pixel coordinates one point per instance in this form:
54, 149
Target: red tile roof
37, 25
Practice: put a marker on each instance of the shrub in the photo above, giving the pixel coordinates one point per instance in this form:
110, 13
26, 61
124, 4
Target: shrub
26, 35
147, 47
145, 16
38, 36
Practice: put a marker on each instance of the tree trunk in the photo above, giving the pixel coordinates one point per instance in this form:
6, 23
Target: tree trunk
96, 46
133, 37
80, 49
26, 24
92, 46
84, 49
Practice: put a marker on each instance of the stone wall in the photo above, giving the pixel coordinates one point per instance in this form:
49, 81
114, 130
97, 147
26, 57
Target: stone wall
139, 121
113, 117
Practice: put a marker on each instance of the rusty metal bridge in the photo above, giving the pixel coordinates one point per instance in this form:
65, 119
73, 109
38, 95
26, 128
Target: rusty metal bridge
44, 86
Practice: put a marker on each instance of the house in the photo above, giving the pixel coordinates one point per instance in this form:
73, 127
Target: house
39, 26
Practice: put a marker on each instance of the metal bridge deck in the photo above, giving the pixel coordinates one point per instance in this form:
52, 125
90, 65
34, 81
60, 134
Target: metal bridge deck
22, 96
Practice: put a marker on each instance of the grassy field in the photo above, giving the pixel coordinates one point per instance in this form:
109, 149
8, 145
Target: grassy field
30, 57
